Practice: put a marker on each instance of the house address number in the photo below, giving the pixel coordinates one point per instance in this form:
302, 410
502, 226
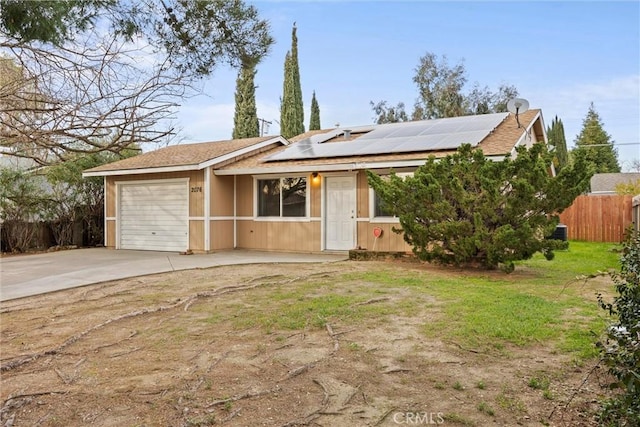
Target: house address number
196, 189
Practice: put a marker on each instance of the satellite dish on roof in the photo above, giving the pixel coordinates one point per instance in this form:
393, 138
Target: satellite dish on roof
517, 106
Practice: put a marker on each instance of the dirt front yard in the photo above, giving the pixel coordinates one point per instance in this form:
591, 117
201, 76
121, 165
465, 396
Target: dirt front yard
272, 345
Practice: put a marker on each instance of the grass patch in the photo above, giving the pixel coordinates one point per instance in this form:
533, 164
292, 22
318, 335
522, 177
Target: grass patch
581, 258
485, 408
539, 303
511, 403
300, 305
539, 382
294, 313
542, 382
458, 419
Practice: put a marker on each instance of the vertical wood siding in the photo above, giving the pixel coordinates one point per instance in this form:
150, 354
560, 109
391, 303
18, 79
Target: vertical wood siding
221, 194
279, 236
244, 196
315, 193
362, 196
196, 235
388, 242
111, 197
221, 235
110, 235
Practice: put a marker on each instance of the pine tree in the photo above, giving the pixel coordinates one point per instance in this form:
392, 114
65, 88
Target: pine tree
466, 209
314, 121
594, 145
556, 137
245, 120
291, 107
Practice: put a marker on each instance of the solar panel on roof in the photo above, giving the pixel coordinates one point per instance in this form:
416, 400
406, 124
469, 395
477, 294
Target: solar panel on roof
425, 135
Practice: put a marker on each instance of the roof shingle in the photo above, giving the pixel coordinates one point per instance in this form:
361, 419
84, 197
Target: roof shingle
181, 155
499, 142
606, 182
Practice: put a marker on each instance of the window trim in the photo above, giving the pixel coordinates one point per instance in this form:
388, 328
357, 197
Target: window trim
372, 203
256, 198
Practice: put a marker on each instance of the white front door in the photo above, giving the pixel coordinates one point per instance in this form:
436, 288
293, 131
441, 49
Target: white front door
340, 213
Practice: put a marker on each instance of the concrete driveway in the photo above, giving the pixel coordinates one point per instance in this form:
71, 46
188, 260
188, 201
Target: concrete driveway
26, 275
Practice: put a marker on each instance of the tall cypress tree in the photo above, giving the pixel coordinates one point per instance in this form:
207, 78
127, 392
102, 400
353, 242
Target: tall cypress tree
595, 146
291, 107
314, 121
245, 119
556, 136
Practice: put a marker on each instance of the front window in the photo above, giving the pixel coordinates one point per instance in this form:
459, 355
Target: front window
282, 197
380, 210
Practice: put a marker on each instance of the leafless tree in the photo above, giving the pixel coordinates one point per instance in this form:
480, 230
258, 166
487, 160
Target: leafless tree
100, 98
98, 90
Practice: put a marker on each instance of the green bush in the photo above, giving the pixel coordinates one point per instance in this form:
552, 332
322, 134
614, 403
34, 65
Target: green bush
621, 348
468, 209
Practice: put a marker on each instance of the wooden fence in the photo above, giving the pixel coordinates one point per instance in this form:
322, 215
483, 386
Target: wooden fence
598, 218
635, 217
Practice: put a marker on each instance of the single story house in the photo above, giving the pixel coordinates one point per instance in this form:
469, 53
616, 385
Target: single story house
306, 194
604, 184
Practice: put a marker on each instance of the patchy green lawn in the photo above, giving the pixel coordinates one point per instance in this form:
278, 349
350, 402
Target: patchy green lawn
349, 344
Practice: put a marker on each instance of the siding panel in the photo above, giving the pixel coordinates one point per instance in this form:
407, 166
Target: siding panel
221, 195
245, 195
196, 236
221, 235
285, 236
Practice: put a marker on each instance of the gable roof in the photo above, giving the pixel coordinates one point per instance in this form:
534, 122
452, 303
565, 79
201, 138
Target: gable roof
499, 143
186, 156
249, 155
605, 183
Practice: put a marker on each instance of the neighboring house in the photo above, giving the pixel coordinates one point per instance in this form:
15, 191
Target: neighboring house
603, 184
306, 194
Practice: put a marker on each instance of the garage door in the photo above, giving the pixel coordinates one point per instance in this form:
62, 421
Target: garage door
154, 217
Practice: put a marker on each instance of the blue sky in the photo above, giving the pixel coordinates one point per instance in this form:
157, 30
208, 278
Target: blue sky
561, 56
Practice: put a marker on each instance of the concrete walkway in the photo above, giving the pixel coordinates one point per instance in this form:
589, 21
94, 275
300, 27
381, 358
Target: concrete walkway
26, 275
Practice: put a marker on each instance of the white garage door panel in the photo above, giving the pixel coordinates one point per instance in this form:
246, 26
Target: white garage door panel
154, 216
